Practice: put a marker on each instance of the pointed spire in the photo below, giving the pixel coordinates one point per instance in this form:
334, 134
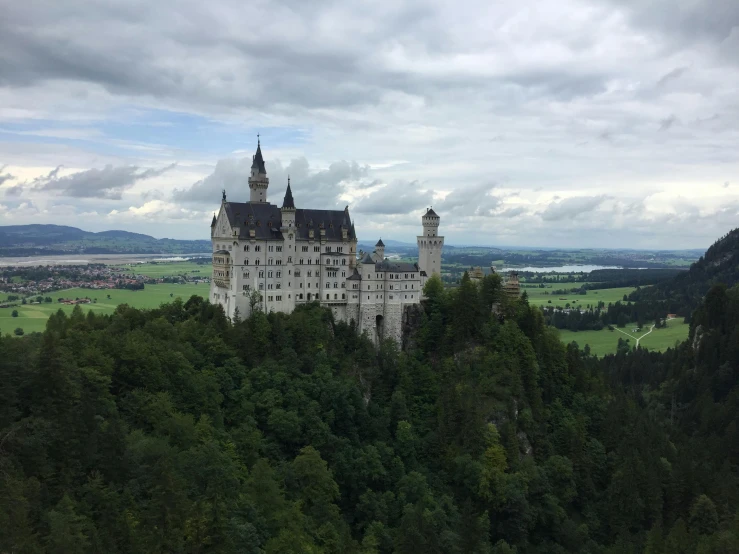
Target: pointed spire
288, 202
213, 223
258, 162
380, 243
223, 199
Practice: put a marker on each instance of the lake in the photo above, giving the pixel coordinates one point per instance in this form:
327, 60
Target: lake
562, 268
108, 259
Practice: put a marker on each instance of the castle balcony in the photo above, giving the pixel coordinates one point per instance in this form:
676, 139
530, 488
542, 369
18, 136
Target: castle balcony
222, 282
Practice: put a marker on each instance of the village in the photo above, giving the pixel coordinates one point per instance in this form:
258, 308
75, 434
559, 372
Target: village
37, 281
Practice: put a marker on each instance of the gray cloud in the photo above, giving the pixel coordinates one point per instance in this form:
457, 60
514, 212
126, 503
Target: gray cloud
320, 188
572, 207
671, 76
109, 182
395, 199
667, 122
5, 177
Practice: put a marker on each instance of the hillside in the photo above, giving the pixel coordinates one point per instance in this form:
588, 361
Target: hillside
683, 293
35, 240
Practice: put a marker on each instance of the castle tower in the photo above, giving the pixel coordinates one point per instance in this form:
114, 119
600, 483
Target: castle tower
430, 244
258, 181
288, 229
380, 250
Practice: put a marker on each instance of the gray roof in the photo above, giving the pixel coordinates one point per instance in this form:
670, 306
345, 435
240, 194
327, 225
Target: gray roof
389, 266
430, 212
354, 276
288, 202
266, 220
367, 259
258, 161
380, 243
213, 223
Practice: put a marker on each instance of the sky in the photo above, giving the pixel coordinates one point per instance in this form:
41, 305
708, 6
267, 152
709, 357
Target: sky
598, 123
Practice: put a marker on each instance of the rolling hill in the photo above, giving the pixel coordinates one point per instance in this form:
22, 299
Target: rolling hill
38, 239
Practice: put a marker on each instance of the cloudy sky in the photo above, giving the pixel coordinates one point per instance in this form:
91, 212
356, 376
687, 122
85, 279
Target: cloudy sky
523, 122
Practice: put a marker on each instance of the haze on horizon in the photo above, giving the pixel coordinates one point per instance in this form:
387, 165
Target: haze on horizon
610, 123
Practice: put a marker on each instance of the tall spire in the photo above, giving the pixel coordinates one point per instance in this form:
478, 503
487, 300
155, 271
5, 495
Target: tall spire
288, 202
258, 161
213, 223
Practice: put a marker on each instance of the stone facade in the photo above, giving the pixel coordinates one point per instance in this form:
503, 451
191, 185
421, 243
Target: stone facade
276, 258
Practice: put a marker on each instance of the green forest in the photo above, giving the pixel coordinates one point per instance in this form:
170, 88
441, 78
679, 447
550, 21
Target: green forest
177, 430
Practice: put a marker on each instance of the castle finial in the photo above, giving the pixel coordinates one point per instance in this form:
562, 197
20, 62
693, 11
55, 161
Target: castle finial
288, 180
258, 139
224, 195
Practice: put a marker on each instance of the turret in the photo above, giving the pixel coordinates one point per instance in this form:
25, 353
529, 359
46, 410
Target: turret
258, 181
380, 249
430, 244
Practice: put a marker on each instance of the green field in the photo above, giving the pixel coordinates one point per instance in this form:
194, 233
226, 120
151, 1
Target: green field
32, 317
605, 341
169, 269
537, 296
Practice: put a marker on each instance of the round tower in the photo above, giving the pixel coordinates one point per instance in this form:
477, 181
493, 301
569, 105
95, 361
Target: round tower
258, 181
430, 244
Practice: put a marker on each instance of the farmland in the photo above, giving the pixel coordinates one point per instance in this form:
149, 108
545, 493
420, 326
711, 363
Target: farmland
605, 341
32, 317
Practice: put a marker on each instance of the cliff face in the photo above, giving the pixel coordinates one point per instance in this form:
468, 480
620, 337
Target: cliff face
411, 323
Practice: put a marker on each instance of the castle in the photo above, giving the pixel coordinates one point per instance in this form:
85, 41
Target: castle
276, 258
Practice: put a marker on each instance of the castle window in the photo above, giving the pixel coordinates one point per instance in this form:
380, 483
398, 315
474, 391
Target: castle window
343, 296
289, 296
328, 249
245, 287
279, 286
279, 274
328, 297
336, 296
301, 286
269, 274
391, 275
301, 296
391, 297
309, 261
343, 262
271, 248
279, 298
261, 286
257, 248
301, 261
279, 261
269, 286
256, 262
343, 285
308, 285
246, 261
343, 273
289, 259
406, 286
317, 285
261, 274
310, 273
246, 248
246, 275
305, 249
269, 298
229, 247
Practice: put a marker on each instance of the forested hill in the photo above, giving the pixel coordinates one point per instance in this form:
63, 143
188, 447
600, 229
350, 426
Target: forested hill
683, 293
38, 239
176, 430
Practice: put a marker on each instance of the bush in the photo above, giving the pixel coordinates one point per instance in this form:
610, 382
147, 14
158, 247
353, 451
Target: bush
18, 331
15, 313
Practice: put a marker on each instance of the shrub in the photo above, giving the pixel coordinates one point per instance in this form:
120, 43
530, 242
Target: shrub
18, 331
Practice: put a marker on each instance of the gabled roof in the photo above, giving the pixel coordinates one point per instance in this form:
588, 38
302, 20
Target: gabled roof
367, 259
266, 220
288, 202
354, 276
258, 161
380, 243
389, 266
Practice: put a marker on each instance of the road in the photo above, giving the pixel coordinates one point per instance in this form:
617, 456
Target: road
637, 339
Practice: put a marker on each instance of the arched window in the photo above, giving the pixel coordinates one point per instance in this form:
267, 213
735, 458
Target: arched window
343, 296
343, 262
289, 259
269, 261
246, 275
328, 297
336, 296
256, 261
246, 248
246, 261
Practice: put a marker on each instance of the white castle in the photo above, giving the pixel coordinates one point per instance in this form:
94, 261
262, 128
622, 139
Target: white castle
291, 256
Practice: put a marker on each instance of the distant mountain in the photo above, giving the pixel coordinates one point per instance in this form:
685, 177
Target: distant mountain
683, 293
46, 240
